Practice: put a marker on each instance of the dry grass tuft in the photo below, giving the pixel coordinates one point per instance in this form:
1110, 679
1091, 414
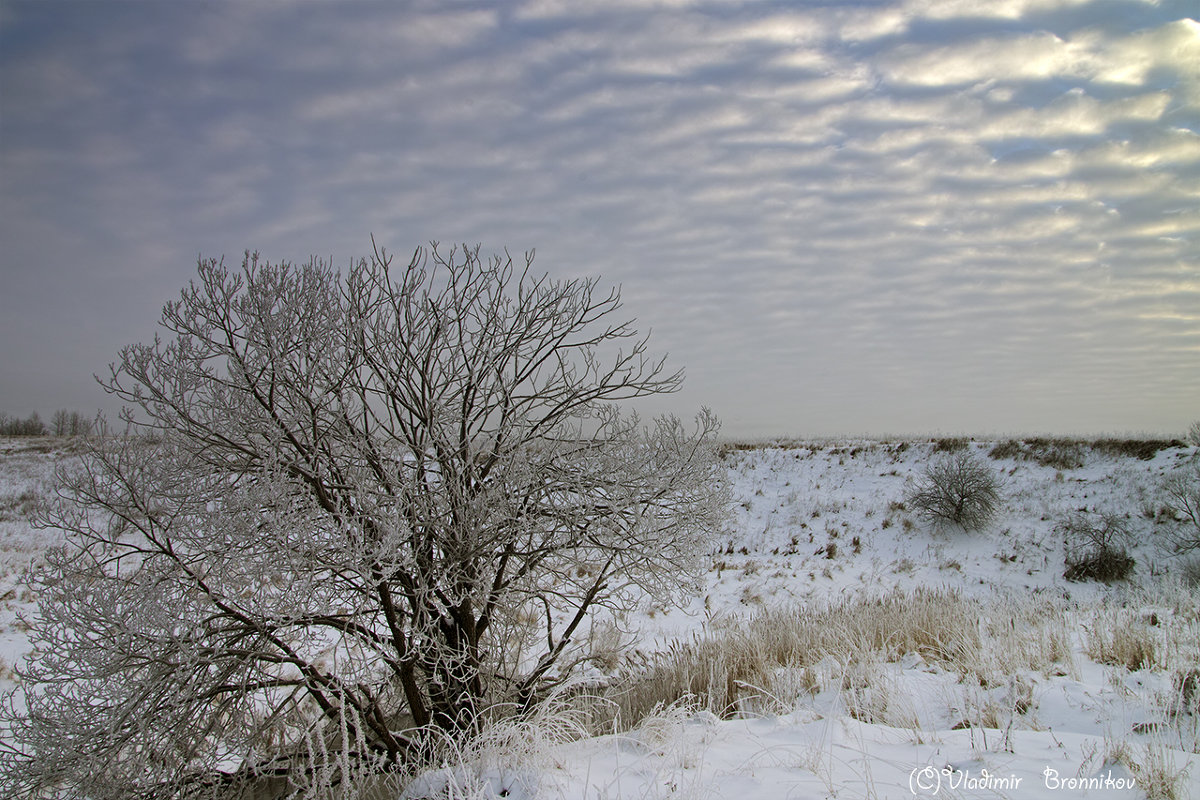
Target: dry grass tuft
769, 662
1049, 452
1119, 638
739, 669
1157, 774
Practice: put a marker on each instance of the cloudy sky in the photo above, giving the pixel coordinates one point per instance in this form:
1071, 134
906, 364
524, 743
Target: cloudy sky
977, 216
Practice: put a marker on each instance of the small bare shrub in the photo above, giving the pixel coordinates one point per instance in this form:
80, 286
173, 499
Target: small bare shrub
959, 489
1193, 434
1182, 491
1096, 546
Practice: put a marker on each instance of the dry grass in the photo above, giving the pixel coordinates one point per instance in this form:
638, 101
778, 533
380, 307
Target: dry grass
505, 759
1185, 691
19, 506
1143, 449
1121, 639
781, 656
1159, 776
1058, 453
1153, 769
1189, 572
1021, 635
1153, 631
772, 659
858, 655
871, 693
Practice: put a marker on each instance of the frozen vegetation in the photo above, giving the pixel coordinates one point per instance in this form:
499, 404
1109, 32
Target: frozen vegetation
843, 644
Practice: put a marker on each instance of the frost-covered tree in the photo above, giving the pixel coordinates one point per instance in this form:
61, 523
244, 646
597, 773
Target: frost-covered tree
348, 512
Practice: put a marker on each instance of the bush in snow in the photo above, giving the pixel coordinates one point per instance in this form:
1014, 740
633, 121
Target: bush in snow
959, 489
1096, 546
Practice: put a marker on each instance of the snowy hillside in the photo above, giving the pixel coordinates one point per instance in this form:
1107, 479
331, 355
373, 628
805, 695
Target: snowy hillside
842, 646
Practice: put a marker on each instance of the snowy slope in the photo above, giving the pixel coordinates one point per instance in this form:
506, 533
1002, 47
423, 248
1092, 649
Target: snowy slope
1076, 728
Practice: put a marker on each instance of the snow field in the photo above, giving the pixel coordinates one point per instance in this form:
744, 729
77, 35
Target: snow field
841, 647
26, 476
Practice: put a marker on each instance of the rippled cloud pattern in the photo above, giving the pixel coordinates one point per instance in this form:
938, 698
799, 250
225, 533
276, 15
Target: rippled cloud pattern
915, 216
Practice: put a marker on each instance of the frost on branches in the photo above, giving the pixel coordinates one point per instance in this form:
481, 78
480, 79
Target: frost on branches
349, 515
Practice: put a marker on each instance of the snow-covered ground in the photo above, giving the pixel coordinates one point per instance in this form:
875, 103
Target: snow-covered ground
26, 476
1001, 678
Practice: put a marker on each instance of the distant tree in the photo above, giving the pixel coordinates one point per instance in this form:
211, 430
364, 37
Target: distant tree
78, 424
69, 423
30, 426
348, 512
34, 426
60, 423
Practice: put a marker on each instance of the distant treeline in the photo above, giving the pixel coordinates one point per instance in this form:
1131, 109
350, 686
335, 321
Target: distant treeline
63, 423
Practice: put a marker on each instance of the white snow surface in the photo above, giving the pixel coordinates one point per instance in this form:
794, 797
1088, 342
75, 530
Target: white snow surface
821, 522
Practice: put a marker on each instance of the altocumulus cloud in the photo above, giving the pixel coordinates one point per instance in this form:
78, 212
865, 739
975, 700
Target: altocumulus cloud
839, 217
